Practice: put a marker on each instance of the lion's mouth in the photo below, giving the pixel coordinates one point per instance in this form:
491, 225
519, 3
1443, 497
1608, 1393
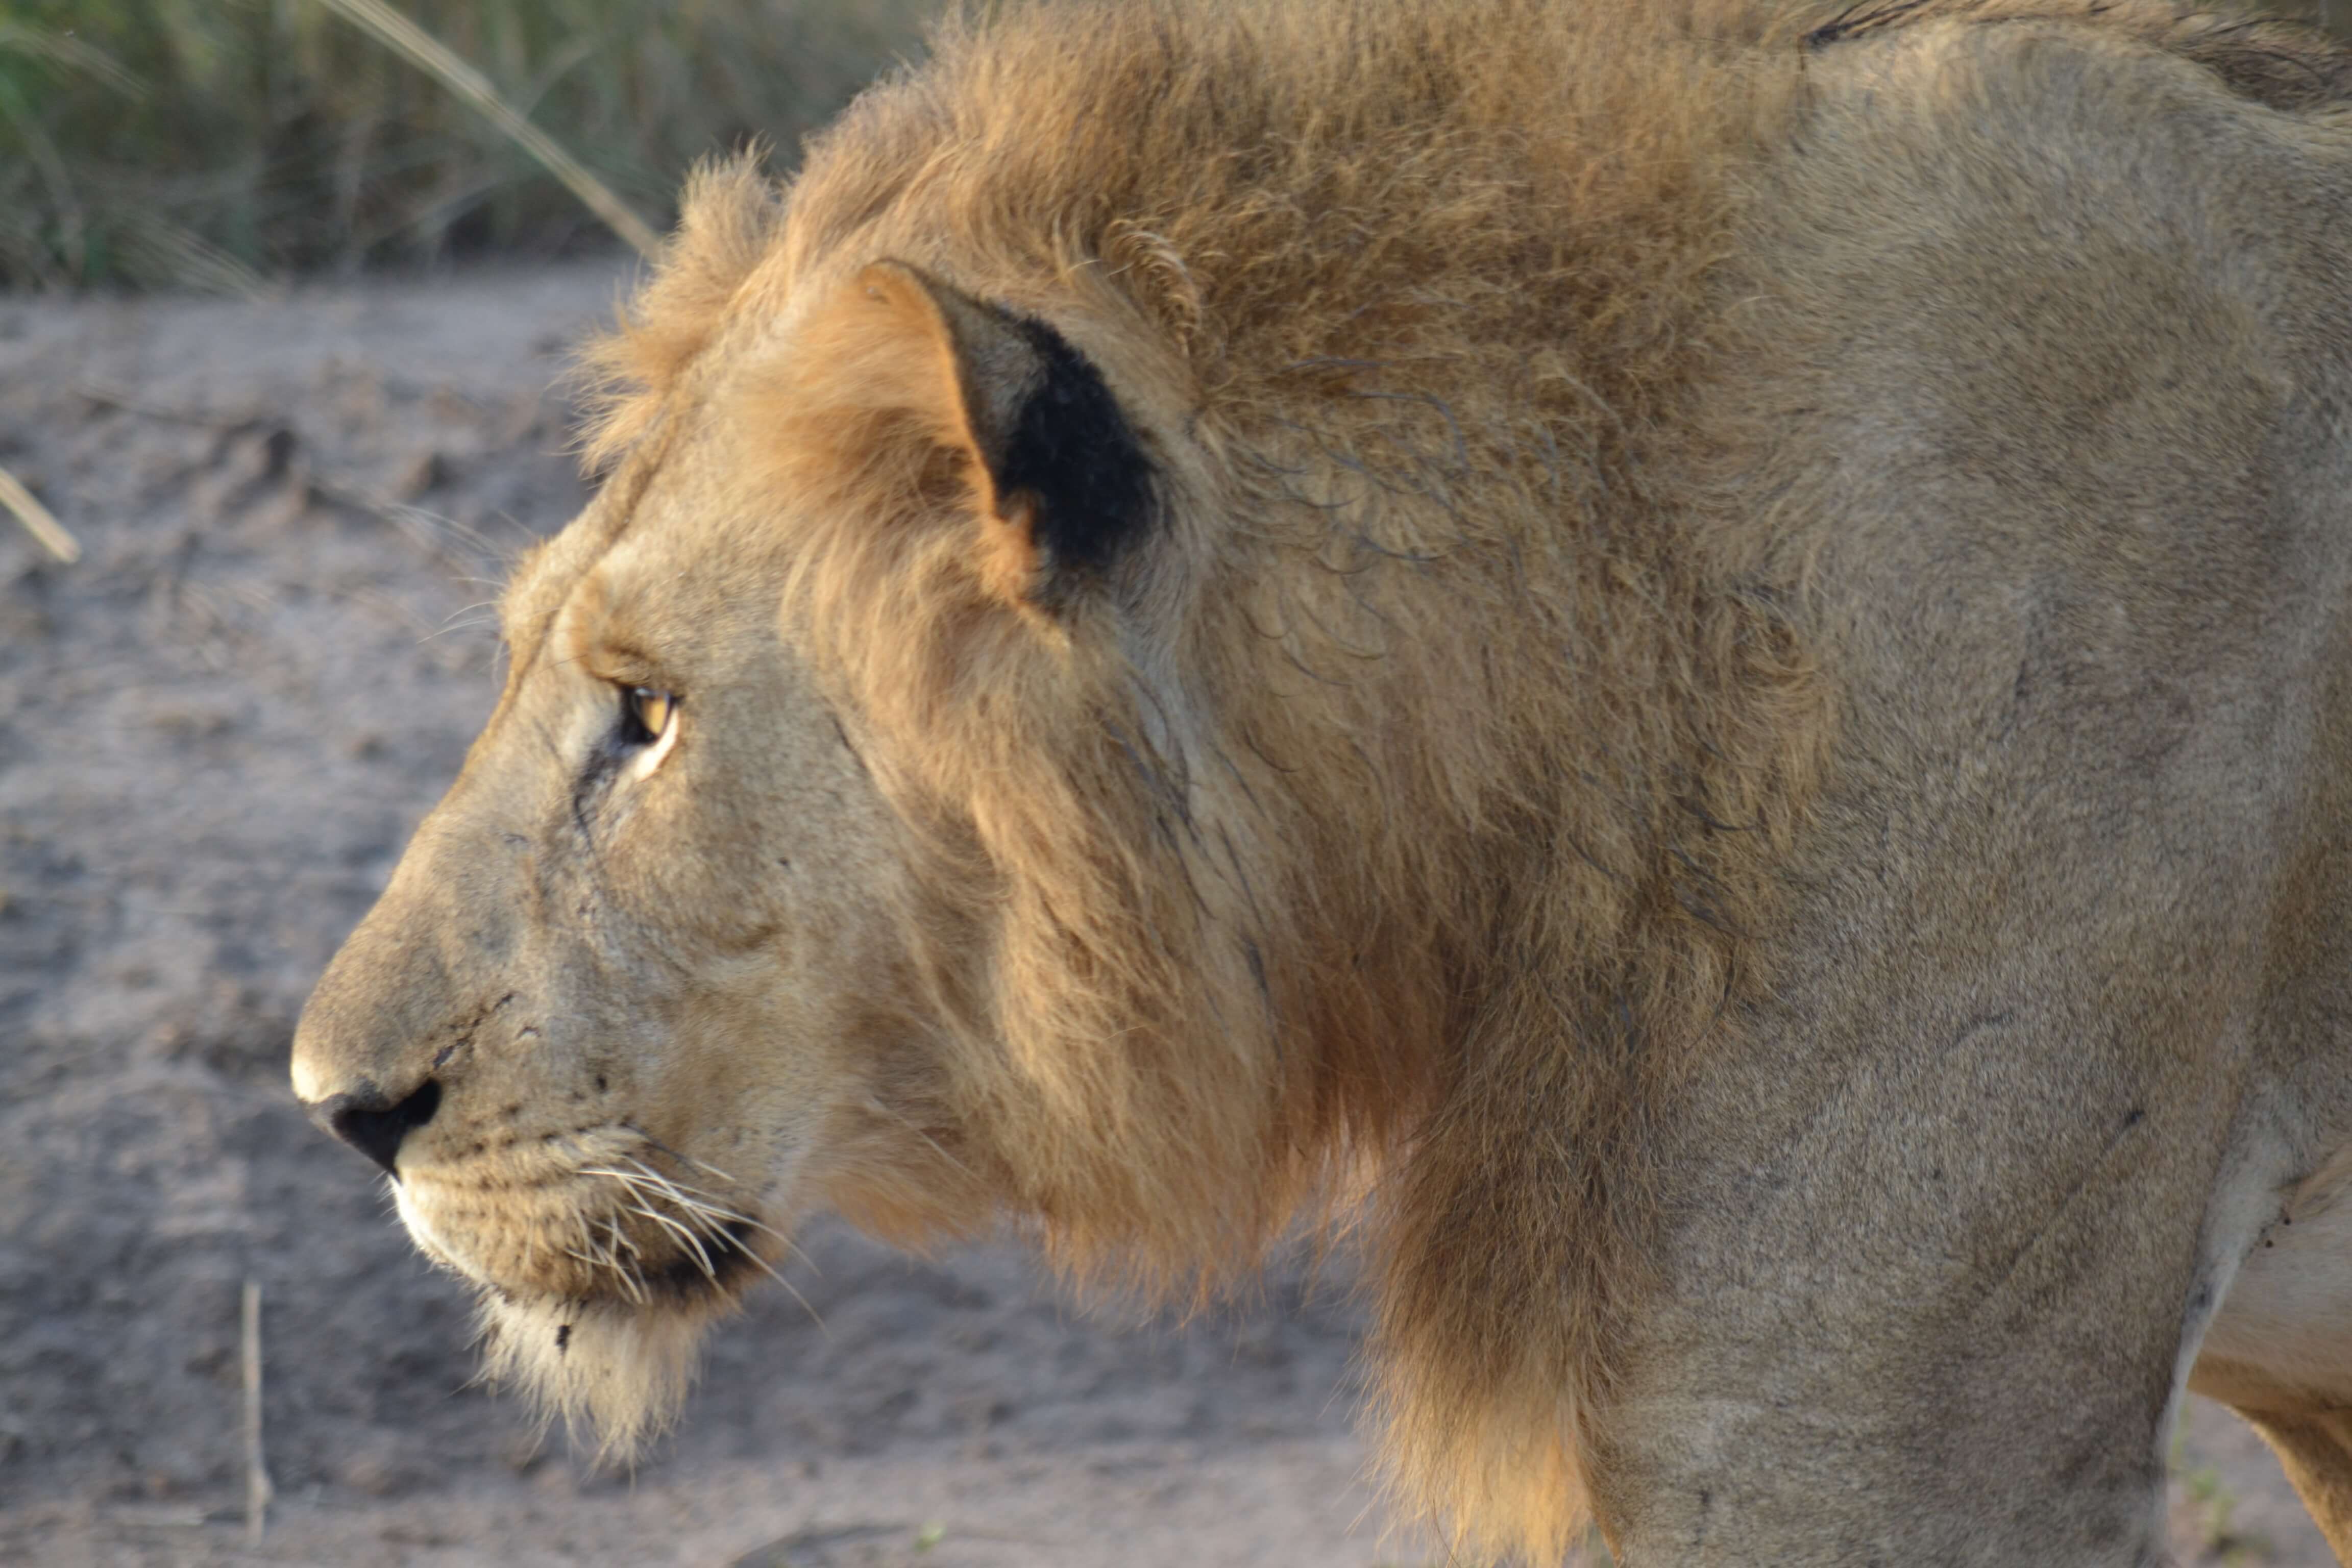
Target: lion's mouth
721, 1265
715, 1259
616, 1231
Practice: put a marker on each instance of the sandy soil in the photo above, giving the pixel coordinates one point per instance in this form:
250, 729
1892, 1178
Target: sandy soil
216, 732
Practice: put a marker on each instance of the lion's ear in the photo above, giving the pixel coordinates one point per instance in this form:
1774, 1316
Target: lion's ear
1060, 477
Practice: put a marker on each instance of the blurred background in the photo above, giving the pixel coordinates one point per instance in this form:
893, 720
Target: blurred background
220, 144
286, 292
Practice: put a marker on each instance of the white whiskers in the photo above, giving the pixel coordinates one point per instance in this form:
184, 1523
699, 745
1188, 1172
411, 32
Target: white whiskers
697, 1220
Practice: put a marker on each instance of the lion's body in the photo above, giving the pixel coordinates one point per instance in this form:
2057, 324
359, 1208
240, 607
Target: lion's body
1702, 663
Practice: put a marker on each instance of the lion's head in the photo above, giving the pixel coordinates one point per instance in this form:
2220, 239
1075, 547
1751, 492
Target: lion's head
1099, 686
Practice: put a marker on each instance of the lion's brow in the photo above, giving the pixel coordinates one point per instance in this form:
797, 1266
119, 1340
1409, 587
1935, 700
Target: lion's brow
529, 607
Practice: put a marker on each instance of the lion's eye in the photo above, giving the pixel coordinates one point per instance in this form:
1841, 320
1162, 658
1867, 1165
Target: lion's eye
645, 714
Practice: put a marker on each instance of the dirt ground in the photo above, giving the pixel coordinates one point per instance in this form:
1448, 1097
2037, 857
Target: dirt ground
216, 732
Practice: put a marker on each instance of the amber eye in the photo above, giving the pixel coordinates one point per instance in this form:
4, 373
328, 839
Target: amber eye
646, 713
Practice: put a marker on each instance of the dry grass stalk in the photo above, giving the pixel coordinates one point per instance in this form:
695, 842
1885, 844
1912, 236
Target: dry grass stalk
36, 519
429, 53
257, 1470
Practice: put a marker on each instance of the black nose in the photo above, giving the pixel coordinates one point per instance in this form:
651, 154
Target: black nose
371, 1121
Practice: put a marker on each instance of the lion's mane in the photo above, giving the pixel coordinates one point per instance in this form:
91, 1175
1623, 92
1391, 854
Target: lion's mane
1328, 893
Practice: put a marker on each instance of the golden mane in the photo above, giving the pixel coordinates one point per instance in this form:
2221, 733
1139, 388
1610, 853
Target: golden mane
1433, 287
1157, 144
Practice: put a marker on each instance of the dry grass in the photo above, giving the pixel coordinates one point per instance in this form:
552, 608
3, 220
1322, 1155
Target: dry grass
26, 509
220, 143
430, 54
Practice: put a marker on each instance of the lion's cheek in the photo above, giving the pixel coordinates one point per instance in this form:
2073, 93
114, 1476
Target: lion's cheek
770, 1043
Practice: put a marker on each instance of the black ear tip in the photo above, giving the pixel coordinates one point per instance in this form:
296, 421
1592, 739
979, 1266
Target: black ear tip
1072, 448
1046, 424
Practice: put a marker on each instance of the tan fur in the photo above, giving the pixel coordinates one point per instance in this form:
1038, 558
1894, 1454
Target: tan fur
1415, 813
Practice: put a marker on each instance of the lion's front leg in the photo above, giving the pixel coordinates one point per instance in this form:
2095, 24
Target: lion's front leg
1924, 1306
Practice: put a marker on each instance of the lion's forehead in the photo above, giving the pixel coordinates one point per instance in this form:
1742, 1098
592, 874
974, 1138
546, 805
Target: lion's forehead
624, 562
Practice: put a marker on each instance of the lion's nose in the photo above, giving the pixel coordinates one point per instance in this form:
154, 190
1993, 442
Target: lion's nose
372, 1122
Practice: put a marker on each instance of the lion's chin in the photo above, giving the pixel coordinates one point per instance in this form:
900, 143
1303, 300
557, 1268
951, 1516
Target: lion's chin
610, 1347
614, 1371
600, 1327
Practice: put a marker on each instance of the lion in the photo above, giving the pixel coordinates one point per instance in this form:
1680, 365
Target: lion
1684, 660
